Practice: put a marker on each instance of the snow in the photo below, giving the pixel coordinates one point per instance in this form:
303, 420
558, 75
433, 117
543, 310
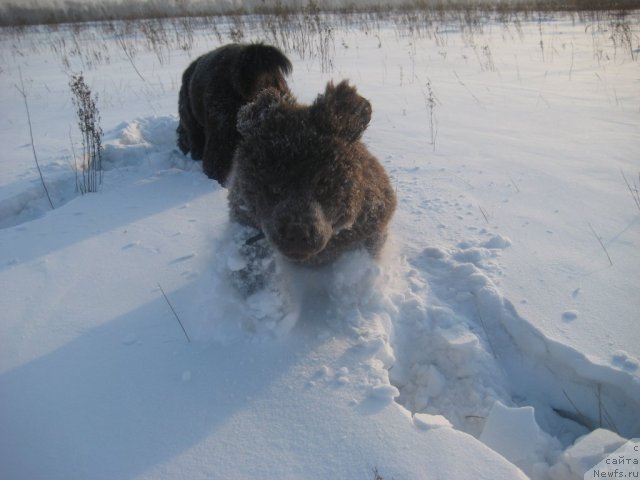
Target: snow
586, 453
427, 422
142, 338
515, 434
623, 462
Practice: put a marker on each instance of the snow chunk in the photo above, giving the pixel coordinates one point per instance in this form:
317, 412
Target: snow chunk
471, 255
510, 431
586, 452
384, 392
131, 134
424, 421
515, 434
497, 242
149, 130
460, 338
235, 262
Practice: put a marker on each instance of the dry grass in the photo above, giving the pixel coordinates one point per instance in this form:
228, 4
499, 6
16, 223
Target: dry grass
88, 117
23, 93
310, 32
16, 12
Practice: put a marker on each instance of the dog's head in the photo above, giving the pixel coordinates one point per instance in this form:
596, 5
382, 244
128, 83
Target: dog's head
300, 166
258, 67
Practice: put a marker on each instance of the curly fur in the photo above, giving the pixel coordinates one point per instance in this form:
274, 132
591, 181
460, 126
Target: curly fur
214, 87
302, 175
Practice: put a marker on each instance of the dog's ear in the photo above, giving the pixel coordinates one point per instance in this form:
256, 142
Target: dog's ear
341, 111
253, 114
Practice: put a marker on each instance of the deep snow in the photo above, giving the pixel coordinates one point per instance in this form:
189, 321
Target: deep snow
494, 311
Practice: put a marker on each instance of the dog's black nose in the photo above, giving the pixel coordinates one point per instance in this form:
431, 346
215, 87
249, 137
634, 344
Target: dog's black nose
298, 236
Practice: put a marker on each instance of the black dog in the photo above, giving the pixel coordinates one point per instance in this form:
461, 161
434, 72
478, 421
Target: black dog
214, 87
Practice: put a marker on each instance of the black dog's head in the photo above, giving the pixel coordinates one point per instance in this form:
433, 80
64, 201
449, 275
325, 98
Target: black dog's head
299, 166
258, 67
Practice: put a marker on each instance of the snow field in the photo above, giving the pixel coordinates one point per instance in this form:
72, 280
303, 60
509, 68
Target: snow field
494, 311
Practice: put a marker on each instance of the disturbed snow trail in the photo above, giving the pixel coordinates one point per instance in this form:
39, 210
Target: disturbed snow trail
464, 352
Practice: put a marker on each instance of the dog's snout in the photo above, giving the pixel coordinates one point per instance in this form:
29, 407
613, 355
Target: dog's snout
297, 235
298, 228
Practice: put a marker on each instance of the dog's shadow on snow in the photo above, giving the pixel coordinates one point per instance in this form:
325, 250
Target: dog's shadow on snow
129, 396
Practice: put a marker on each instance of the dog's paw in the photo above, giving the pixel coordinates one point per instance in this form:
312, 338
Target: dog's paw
254, 272
251, 263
